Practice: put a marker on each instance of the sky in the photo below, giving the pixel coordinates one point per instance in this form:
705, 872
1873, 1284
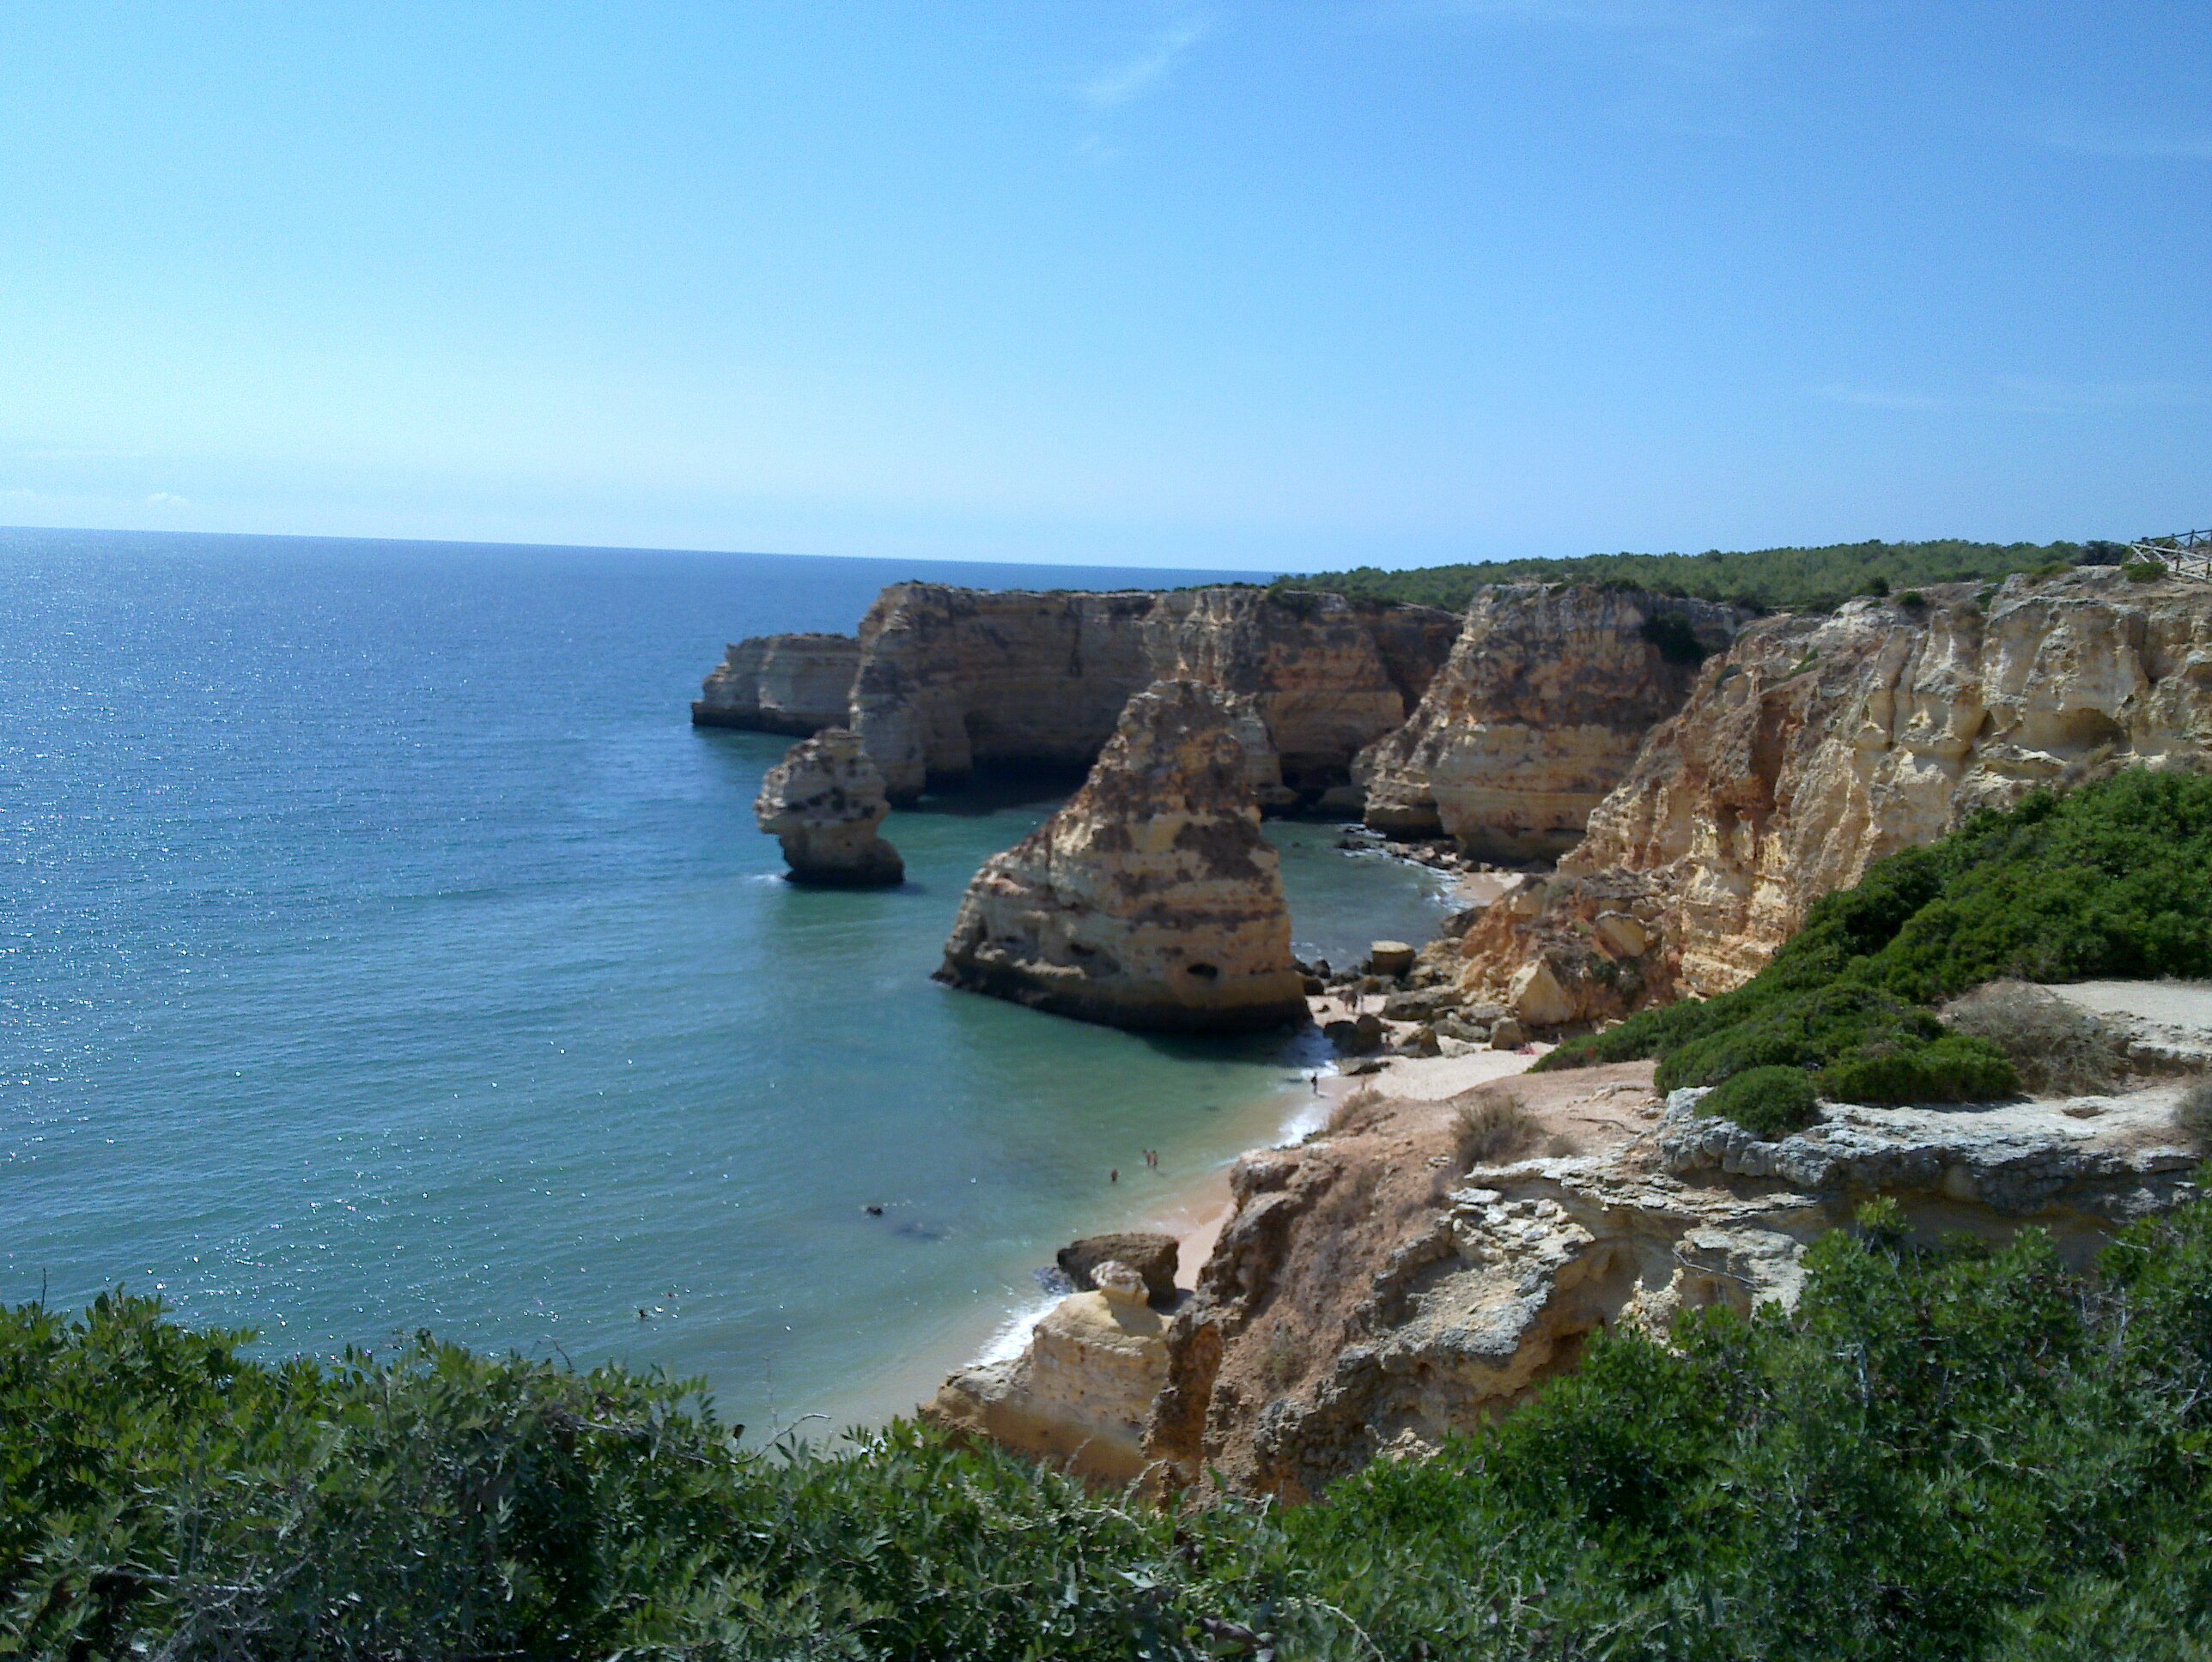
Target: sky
1280, 286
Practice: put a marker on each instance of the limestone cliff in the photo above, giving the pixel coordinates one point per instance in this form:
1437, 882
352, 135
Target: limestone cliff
780, 683
1374, 1295
1537, 715
823, 802
1817, 744
1151, 899
1423, 1265
952, 680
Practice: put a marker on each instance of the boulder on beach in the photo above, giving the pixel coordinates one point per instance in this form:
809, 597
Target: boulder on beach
1389, 958
823, 802
1356, 1035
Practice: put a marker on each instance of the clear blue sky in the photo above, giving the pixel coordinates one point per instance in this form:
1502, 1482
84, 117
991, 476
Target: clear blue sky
1275, 285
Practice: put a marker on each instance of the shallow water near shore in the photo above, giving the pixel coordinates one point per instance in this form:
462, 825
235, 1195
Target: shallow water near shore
383, 950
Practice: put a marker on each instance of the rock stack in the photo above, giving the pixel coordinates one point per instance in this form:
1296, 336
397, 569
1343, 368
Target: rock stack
1151, 899
823, 802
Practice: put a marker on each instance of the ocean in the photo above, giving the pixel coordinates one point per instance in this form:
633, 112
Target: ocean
381, 948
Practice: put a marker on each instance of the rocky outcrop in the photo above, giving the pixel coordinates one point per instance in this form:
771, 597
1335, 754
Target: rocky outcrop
1373, 1295
1076, 1396
1151, 899
1816, 745
780, 683
823, 802
951, 681
1154, 1256
1540, 711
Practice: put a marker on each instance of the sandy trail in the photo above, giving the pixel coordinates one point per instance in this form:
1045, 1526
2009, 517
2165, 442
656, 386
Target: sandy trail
2183, 1005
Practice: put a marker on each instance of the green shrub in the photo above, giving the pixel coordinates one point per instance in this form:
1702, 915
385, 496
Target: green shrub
1935, 1457
2143, 571
1952, 1069
1913, 600
1807, 1031
1769, 1101
2111, 879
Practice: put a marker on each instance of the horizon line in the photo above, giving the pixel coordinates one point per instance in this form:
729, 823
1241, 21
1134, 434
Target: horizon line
1260, 574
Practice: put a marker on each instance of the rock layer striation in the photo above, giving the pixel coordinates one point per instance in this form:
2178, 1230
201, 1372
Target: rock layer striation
1818, 745
1375, 1293
954, 681
1151, 899
1540, 711
780, 683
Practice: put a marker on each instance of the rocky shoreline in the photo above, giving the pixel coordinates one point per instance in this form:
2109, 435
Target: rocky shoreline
1457, 1228
1450, 1238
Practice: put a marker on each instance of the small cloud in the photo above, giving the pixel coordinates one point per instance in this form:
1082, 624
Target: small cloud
164, 499
2135, 147
1135, 76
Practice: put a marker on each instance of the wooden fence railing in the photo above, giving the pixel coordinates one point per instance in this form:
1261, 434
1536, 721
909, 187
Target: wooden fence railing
2186, 553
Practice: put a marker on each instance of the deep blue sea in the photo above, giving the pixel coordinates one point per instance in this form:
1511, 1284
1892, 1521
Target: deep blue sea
380, 947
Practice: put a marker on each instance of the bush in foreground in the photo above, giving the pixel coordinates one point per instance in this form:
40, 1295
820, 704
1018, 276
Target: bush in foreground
1964, 1454
1489, 1128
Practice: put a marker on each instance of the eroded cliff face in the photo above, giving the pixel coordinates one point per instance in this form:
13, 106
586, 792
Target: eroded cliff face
954, 680
1151, 899
1375, 1294
1540, 712
780, 683
1817, 745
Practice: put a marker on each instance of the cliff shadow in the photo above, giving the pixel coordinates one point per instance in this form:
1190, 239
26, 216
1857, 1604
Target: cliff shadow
1300, 1048
994, 788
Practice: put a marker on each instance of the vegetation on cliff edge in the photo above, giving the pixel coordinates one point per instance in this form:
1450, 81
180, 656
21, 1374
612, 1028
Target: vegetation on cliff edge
1957, 1455
1765, 579
2110, 879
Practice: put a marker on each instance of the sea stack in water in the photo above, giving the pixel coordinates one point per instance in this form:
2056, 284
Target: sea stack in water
823, 802
1151, 899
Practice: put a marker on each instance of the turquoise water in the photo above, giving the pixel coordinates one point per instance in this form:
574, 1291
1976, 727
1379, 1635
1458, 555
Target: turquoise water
380, 947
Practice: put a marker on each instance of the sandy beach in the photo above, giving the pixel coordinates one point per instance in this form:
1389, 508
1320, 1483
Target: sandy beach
1198, 1216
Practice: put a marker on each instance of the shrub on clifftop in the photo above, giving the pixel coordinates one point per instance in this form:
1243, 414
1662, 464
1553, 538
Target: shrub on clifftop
1768, 1102
1772, 579
2111, 879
